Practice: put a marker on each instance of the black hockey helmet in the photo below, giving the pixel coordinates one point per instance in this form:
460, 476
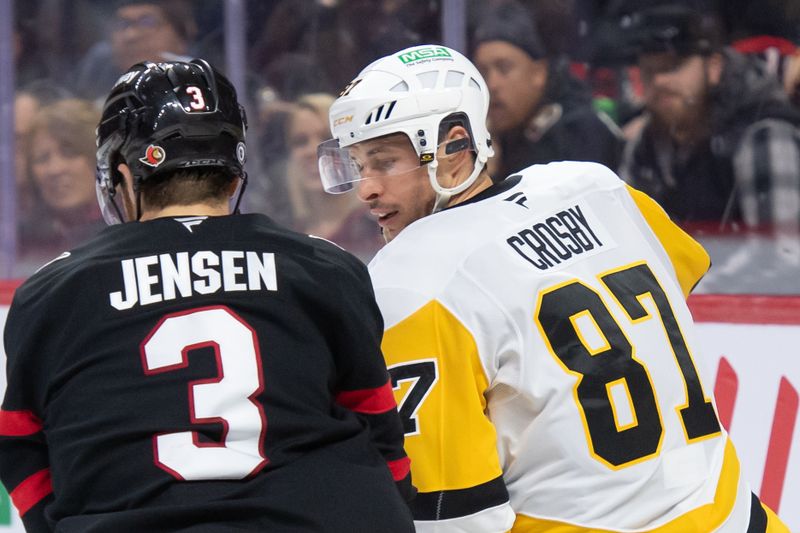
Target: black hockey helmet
162, 117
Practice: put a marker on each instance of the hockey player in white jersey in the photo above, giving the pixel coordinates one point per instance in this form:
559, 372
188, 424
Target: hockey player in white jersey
541, 351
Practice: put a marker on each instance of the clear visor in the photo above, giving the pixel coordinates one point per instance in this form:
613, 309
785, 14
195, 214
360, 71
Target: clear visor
104, 184
108, 208
389, 156
337, 170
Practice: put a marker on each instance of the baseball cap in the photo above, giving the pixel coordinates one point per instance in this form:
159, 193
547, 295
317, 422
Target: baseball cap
677, 29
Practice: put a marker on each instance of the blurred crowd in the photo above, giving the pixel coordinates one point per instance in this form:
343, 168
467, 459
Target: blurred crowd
697, 103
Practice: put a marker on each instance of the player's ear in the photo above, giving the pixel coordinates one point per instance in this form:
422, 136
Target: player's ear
456, 132
233, 186
455, 157
126, 176
125, 190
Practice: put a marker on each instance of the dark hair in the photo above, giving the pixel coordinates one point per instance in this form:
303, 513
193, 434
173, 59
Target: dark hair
185, 187
179, 15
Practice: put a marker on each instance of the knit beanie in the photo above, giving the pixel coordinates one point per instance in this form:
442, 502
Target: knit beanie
510, 23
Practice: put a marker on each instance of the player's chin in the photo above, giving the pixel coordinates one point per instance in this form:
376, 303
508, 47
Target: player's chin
391, 229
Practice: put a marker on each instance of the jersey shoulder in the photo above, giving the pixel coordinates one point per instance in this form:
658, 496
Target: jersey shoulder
438, 244
568, 179
309, 245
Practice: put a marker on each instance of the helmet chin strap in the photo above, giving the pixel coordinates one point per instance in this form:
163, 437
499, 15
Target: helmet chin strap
240, 192
443, 194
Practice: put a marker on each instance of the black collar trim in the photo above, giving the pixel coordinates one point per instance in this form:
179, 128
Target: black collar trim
497, 188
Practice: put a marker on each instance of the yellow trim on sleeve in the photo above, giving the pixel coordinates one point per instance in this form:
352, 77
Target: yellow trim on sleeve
688, 257
774, 524
700, 520
456, 444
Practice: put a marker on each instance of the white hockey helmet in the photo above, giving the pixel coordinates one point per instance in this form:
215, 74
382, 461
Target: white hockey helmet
408, 92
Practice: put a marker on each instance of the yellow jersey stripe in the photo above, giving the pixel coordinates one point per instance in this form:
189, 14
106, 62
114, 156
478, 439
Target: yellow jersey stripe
688, 257
774, 524
455, 444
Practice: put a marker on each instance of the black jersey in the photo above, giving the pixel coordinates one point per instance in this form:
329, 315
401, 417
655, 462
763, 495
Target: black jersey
201, 374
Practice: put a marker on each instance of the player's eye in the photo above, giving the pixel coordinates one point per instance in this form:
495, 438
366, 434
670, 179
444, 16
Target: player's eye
384, 165
356, 165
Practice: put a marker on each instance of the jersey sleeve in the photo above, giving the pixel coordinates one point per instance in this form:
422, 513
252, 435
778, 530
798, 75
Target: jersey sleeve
688, 257
363, 381
439, 384
24, 464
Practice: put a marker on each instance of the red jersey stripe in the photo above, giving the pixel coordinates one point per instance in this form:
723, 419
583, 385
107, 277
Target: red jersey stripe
368, 401
399, 468
19, 423
31, 491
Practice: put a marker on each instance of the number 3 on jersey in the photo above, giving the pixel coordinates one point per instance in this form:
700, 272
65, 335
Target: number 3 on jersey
565, 312
228, 398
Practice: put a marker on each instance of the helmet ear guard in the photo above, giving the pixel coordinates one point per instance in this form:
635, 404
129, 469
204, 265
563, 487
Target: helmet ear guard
413, 92
457, 146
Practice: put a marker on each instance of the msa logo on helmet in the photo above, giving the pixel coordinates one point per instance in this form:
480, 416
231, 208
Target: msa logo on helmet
423, 53
154, 156
241, 153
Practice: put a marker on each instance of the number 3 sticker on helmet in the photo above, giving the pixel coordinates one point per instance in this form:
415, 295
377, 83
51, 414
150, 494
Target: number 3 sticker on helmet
227, 398
198, 103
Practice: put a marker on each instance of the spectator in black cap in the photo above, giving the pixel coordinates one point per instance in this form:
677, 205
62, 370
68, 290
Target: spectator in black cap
720, 140
538, 112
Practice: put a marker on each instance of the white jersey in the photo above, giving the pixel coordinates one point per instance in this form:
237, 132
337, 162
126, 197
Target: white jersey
543, 359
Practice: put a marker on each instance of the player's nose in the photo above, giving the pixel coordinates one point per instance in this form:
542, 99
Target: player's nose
369, 189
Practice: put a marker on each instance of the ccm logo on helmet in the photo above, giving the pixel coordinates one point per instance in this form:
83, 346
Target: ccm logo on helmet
154, 156
210, 162
342, 120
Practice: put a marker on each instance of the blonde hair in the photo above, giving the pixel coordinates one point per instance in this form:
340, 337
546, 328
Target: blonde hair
319, 104
71, 122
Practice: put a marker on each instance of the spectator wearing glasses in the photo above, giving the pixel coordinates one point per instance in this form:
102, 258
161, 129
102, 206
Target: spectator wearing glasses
141, 30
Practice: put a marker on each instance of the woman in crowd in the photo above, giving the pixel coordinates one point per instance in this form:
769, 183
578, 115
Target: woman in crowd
61, 166
339, 218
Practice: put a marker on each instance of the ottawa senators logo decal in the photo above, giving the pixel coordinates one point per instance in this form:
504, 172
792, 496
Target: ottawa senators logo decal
154, 156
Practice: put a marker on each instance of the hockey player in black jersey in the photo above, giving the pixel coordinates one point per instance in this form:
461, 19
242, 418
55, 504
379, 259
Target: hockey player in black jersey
196, 370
